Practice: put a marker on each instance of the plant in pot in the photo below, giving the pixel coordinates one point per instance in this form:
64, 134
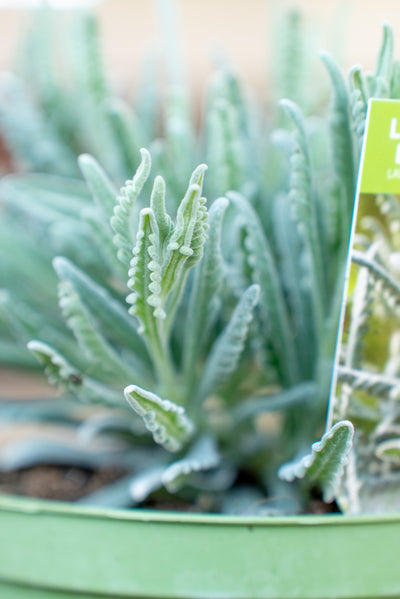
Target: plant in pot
215, 370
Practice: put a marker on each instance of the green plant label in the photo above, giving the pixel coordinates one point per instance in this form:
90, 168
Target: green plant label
380, 168
366, 375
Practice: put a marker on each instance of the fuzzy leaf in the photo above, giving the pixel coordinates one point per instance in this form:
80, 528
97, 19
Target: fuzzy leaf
186, 242
90, 67
62, 374
207, 282
157, 204
56, 367
264, 272
27, 322
344, 158
371, 382
203, 456
23, 319
227, 349
101, 244
21, 119
395, 83
293, 272
90, 80
145, 275
358, 321
359, 100
100, 185
290, 54
144, 483
389, 451
384, 65
43, 195
168, 422
226, 152
121, 222
390, 286
108, 365
251, 407
110, 315
179, 136
126, 131
303, 201
324, 466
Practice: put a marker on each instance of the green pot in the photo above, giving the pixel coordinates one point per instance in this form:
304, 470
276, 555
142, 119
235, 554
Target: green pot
50, 550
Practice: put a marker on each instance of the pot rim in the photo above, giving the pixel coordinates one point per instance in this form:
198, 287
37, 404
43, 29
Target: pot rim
14, 503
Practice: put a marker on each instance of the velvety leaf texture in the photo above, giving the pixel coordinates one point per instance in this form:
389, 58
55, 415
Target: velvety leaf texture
324, 465
167, 422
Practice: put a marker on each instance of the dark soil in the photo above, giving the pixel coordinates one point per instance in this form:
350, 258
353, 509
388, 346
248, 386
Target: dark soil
64, 483
60, 483
317, 506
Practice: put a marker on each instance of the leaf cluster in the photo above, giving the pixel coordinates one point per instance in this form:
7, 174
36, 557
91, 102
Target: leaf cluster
196, 310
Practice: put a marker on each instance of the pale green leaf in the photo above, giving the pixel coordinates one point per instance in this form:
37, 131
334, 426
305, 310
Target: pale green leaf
204, 294
293, 274
303, 200
324, 466
289, 56
227, 349
21, 119
157, 204
101, 244
390, 287
384, 64
27, 322
264, 272
57, 368
145, 274
145, 482
168, 422
44, 194
109, 313
395, 83
100, 185
102, 356
373, 383
121, 222
202, 456
186, 242
252, 406
358, 108
226, 148
61, 373
179, 137
126, 131
389, 451
345, 160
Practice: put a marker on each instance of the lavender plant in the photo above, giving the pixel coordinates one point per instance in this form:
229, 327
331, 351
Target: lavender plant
198, 332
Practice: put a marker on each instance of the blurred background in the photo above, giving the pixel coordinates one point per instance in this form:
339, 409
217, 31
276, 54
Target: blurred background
351, 30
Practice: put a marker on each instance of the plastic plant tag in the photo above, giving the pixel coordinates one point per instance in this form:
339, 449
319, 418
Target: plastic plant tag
366, 375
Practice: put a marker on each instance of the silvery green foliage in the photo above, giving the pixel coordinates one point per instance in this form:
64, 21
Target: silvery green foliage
368, 389
324, 465
195, 309
118, 348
